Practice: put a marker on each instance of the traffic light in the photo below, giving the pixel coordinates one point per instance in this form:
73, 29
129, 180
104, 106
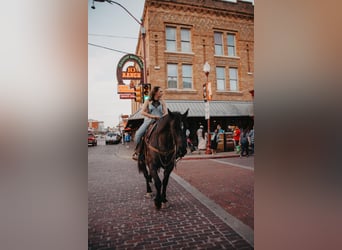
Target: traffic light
207, 93
137, 93
146, 91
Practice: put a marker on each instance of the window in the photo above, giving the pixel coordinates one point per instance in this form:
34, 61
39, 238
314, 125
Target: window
187, 76
220, 78
185, 40
227, 46
175, 37
233, 80
231, 44
171, 39
172, 76
218, 43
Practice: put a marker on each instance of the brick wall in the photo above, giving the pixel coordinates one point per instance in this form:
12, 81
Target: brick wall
202, 17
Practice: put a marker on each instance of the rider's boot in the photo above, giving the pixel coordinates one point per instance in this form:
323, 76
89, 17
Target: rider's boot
136, 153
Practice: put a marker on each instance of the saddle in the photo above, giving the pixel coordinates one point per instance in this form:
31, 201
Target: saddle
140, 147
149, 131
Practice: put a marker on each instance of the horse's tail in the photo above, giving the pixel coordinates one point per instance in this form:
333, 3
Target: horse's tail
141, 161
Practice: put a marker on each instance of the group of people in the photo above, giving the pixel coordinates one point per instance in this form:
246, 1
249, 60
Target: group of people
202, 139
244, 141
155, 107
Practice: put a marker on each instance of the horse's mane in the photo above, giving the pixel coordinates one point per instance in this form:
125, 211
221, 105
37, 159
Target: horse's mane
166, 120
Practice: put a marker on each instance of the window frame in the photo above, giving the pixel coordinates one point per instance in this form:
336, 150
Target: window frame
218, 45
169, 76
233, 80
187, 77
218, 79
171, 40
185, 42
233, 46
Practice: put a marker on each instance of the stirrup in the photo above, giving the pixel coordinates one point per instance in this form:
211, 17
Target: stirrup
135, 156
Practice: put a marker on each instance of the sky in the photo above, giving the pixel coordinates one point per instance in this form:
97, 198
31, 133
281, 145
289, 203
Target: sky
110, 26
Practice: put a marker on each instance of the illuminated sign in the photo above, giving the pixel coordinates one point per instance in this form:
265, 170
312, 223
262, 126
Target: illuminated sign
124, 89
132, 72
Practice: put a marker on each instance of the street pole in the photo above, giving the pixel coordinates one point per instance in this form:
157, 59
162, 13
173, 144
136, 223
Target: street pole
142, 31
206, 69
143, 34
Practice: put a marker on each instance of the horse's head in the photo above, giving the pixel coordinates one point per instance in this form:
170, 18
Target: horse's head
178, 127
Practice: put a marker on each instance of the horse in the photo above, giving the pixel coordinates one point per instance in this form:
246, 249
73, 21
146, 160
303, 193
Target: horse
164, 141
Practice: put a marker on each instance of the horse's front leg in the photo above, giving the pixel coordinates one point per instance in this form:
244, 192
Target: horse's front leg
157, 184
148, 187
142, 167
167, 173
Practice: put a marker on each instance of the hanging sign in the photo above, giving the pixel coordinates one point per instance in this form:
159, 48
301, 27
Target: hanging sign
132, 72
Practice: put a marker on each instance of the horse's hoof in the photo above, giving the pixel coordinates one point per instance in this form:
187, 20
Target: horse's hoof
148, 195
157, 205
165, 205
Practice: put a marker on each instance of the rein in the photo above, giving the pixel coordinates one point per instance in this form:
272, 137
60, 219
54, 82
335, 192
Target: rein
160, 152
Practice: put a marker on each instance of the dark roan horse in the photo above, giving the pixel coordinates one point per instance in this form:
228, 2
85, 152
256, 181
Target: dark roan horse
163, 142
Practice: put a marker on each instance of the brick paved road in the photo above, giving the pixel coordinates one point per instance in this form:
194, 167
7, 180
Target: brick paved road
120, 217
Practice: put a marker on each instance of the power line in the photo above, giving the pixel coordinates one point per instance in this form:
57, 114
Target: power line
126, 37
103, 47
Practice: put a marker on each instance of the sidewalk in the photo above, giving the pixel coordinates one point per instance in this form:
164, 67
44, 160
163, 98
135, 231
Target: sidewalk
127, 149
202, 155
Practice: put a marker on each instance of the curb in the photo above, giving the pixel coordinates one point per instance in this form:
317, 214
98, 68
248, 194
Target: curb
208, 157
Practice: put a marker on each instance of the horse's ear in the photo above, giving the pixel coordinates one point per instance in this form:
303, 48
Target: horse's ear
186, 113
169, 111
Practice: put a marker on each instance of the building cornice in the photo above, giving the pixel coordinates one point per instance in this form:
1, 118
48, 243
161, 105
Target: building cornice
215, 8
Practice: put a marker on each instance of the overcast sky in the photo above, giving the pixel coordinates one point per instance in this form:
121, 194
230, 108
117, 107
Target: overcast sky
109, 26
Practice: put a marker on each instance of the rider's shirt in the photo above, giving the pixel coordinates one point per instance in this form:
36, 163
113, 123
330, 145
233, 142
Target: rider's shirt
155, 108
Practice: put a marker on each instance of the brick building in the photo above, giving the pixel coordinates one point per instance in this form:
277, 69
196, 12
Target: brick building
95, 126
181, 35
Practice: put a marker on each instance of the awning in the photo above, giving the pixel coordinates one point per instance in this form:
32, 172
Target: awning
197, 108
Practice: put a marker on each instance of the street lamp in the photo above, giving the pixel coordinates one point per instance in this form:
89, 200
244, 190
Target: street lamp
206, 69
142, 30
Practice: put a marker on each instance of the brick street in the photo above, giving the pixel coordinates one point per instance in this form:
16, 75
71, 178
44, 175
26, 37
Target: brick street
120, 217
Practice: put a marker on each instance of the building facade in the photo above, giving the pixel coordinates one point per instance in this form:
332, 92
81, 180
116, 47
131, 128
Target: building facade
181, 35
96, 126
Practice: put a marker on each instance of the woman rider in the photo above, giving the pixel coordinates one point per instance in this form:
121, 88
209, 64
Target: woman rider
153, 109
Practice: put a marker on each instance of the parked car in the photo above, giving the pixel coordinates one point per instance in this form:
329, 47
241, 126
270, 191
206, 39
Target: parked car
92, 139
113, 138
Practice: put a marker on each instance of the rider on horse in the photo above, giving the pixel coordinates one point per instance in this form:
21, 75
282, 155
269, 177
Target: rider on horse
153, 109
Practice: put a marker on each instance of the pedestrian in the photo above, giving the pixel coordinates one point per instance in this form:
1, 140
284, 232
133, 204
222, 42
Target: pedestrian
244, 142
201, 138
190, 145
251, 140
219, 129
236, 137
214, 142
154, 108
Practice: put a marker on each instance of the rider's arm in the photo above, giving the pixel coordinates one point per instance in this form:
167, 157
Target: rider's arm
164, 107
144, 109
145, 112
